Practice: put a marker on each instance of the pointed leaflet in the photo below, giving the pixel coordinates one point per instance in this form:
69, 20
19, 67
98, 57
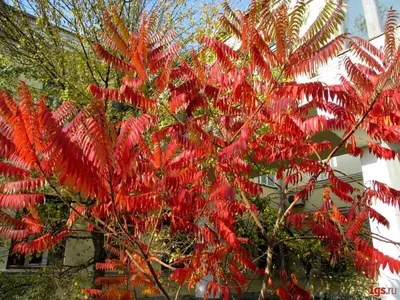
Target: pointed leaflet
229, 26
382, 152
157, 152
354, 228
40, 244
198, 67
228, 235
376, 216
9, 170
17, 224
20, 201
112, 60
74, 172
369, 259
143, 38
326, 24
390, 35
364, 55
129, 135
223, 52
327, 231
138, 64
96, 144
125, 95
115, 36
26, 185
64, 112
16, 234
75, 214
181, 275
296, 19
281, 25
29, 117
21, 125
384, 193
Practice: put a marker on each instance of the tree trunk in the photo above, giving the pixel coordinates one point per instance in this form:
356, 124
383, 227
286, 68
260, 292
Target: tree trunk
307, 268
282, 255
268, 273
270, 250
100, 255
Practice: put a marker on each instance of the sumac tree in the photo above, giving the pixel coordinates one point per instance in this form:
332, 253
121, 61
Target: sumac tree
199, 129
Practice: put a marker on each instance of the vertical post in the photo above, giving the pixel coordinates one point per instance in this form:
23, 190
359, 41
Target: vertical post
374, 27
387, 172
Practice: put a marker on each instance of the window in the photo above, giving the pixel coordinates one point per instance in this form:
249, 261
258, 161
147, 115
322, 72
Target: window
268, 180
52, 257
19, 261
300, 202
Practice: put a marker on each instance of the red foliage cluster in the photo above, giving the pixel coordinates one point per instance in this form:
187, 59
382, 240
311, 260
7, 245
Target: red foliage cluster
242, 107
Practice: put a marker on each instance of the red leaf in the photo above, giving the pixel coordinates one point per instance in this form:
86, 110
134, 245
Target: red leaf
282, 293
20, 201
181, 275
382, 152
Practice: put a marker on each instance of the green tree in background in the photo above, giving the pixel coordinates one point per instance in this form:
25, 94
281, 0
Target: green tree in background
51, 42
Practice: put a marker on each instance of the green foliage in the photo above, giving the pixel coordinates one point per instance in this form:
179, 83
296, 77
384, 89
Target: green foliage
41, 284
172, 247
50, 44
299, 254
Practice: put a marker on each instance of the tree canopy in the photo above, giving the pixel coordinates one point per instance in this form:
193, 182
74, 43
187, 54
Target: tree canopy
50, 42
200, 126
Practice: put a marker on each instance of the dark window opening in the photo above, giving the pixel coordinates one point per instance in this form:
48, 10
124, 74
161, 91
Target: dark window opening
20, 261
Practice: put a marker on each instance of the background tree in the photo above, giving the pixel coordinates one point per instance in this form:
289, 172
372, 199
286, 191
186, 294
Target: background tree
50, 42
185, 158
44, 284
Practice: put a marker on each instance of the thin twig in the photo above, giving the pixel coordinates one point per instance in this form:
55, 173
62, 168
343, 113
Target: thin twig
178, 291
253, 215
155, 228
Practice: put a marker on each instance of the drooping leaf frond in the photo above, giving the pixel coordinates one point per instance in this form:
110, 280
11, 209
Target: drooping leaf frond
369, 260
20, 201
390, 35
40, 244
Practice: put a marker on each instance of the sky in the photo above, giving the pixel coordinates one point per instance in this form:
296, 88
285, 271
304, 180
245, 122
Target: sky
239, 4
235, 4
